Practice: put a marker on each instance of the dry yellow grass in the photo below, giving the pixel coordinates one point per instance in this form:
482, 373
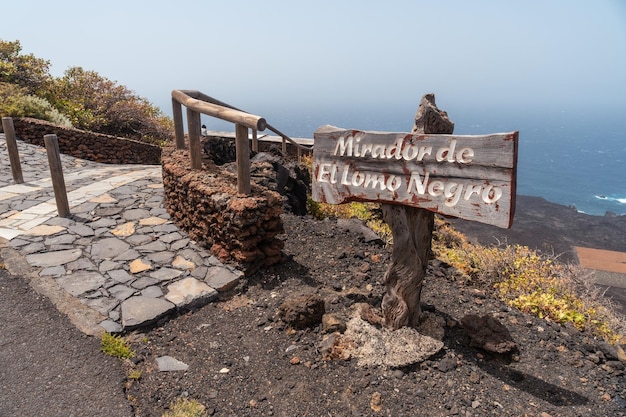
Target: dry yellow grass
530, 281
521, 277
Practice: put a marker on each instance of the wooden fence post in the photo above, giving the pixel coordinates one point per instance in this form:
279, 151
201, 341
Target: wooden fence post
255, 141
56, 173
14, 156
242, 143
193, 127
412, 230
179, 131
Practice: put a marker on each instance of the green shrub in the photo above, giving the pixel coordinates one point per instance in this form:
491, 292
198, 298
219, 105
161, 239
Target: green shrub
83, 99
184, 407
26, 71
518, 275
134, 374
369, 213
115, 346
15, 103
95, 103
528, 281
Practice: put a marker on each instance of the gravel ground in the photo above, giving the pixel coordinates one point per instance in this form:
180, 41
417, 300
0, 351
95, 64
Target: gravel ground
245, 361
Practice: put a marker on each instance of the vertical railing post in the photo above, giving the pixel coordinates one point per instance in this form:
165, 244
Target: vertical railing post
56, 173
179, 130
14, 156
284, 148
255, 141
242, 143
193, 128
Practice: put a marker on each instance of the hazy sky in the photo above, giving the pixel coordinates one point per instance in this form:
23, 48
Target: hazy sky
272, 56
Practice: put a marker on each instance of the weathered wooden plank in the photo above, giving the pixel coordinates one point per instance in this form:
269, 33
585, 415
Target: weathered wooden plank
471, 177
495, 150
434, 169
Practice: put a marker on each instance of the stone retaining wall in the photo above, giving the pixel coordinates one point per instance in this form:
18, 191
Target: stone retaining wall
205, 203
88, 145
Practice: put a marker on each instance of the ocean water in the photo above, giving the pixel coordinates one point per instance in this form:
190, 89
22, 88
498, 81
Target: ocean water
569, 158
583, 167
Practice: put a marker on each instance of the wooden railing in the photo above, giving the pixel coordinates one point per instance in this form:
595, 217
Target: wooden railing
197, 103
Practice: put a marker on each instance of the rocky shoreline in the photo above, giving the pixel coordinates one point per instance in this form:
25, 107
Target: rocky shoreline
556, 230
551, 228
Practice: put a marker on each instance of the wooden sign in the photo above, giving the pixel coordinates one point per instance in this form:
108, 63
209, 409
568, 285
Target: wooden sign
470, 177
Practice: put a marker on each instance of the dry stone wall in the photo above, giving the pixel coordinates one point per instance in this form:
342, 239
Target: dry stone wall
88, 145
205, 203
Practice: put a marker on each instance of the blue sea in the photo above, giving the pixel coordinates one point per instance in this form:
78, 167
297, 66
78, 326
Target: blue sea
567, 157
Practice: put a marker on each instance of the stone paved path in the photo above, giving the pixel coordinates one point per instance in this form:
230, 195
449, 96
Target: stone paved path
118, 262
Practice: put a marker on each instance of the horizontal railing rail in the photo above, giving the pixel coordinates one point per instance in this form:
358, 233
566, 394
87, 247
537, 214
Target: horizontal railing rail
197, 103
218, 109
285, 138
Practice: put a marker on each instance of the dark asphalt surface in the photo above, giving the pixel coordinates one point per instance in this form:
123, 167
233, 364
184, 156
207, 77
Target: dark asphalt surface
48, 367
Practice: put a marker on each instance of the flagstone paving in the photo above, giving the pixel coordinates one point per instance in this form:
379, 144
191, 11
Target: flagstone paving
118, 253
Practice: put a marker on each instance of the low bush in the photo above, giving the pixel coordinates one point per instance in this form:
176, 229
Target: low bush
521, 277
529, 281
369, 213
14, 102
184, 407
115, 346
83, 99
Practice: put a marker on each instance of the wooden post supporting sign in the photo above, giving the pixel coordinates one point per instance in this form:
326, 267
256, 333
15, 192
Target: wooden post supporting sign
416, 175
412, 229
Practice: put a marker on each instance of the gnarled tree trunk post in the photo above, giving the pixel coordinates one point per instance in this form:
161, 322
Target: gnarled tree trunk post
412, 230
